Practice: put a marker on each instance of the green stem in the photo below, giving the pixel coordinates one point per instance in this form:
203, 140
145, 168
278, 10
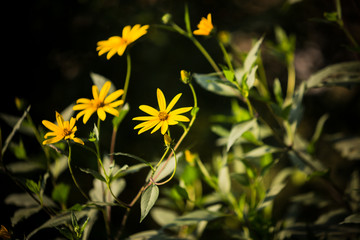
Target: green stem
72, 174
173, 174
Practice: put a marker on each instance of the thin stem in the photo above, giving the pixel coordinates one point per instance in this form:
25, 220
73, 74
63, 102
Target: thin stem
173, 174
123, 98
72, 174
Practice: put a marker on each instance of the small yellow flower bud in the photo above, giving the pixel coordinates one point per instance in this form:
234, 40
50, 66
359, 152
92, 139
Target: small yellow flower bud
166, 18
167, 140
224, 37
189, 157
185, 76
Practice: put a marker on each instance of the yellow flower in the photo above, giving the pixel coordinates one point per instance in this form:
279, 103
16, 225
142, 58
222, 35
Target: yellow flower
64, 130
205, 26
118, 44
99, 104
162, 118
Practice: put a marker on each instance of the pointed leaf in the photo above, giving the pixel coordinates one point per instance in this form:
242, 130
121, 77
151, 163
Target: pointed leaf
238, 130
148, 199
213, 83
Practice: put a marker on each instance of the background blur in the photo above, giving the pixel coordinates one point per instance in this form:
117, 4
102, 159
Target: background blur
50, 51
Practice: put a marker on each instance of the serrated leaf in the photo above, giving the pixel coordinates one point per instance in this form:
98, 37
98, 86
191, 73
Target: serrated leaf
238, 130
148, 199
213, 83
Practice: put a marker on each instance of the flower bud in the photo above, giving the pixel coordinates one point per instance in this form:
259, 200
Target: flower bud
185, 76
167, 140
166, 18
224, 37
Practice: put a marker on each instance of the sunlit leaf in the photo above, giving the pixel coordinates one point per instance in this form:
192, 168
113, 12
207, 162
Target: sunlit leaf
341, 74
163, 216
353, 218
94, 173
238, 130
213, 83
148, 199
24, 213
224, 182
122, 113
58, 220
61, 193
252, 55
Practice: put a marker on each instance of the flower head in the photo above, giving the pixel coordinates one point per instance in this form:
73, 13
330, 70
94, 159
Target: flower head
63, 130
118, 44
205, 26
163, 117
99, 104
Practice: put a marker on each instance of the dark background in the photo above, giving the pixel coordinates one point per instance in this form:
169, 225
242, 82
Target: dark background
50, 50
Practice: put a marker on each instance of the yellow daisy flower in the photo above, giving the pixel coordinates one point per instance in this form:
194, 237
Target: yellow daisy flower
162, 118
205, 26
99, 104
118, 44
64, 130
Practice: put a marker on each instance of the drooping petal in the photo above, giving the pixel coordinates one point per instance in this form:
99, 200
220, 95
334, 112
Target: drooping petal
87, 114
101, 113
81, 106
78, 140
83, 100
147, 126
111, 110
164, 127
149, 110
161, 100
173, 102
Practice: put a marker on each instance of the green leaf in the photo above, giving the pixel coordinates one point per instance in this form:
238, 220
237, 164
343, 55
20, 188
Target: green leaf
252, 55
278, 92
148, 199
60, 193
229, 75
58, 220
123, 112
224, 182
317, 133
353, 218
58, 166
94, 173
241, 178
163, 216
251, 77
277, 185
213, 83
139, 159
341, 74
24, 213
238, 130
195, 217
32, 186
331, 16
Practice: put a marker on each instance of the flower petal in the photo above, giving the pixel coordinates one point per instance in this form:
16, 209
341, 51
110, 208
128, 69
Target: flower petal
95, 92
111, 110
101, 113
60, 120
53, 127
164, 127
104, 90
180, 111
113, 96
149, 110
161, 100
173, 102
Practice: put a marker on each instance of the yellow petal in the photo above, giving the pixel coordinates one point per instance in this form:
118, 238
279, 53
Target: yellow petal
111, 110
173, 102
50, 125
60, 120
95, 92
101, 113
104, 90
180, 111
113, 96
161, 100
164, 127
149, 110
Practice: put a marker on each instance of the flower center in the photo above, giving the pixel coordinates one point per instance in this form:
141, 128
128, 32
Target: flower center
163, 116
67, 132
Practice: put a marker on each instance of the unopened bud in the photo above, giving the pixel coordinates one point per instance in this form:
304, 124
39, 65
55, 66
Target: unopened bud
185, 76
166, 18
167, 140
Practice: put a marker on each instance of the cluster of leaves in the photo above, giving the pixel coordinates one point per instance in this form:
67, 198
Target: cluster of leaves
259, 154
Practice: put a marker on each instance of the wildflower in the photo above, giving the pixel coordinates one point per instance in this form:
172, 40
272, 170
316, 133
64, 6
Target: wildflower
118, 44
64, 130
99, 104
190, 157
205, 26
162, 118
